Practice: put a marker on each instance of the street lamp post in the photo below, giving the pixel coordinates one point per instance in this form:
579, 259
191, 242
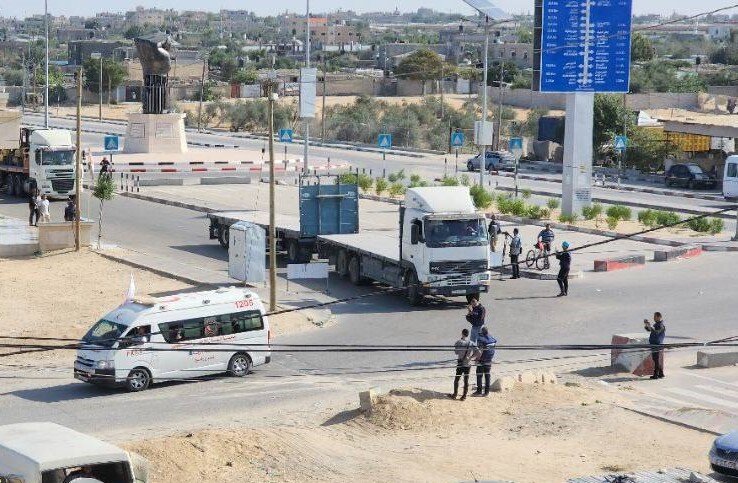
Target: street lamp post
272, 96
46, 67
98, 55
483, 158
306, 166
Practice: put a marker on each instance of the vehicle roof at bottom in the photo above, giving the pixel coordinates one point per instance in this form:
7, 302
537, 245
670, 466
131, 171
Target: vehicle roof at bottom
129, 312
49, 446
440, 199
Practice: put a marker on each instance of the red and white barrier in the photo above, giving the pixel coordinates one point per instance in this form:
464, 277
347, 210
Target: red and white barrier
635, 361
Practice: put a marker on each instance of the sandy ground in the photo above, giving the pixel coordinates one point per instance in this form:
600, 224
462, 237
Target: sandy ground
531, 434
61, 294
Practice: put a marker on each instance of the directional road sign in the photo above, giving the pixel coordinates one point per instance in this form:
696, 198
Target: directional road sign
285, 135
585, 45
621, 142
457, 139
385, 141
112, 143
516, 147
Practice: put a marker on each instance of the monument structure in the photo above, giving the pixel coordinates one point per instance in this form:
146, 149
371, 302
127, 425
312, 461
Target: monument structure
156, 129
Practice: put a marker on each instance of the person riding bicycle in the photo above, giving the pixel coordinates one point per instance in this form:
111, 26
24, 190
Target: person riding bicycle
545, 238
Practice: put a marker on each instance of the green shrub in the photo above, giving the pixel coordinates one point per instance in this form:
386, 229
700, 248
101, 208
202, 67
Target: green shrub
545, 213
446, 181
380, 186
347, 178
414, 178
592, 212
700, 225
526, 193
504, 204
716, 226
365, 182
395, 177
666, 218
534, 212
481, 197
418, 184
647, 218
570, 219
612, 222
619, 211
552, 203
396, 189
465, 180
518, 208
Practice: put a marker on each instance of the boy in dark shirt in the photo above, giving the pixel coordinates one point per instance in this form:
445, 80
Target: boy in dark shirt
564, 259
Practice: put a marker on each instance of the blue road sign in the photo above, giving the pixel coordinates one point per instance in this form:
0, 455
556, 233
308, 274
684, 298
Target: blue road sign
111, 143
457, 139
385, 141
515, 144
621, 142
585, 46
285, 135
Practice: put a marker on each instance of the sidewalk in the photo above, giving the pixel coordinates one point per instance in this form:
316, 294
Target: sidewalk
17, 239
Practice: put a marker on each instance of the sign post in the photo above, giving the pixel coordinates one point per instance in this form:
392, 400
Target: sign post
111, 144
584, 49
385, 142
285, 136
516, 148
457, 141
620, 144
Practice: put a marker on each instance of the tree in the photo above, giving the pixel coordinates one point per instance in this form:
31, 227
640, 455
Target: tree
609, 118
525, 35
245, 76
103, 191
133, 31
510, 72
648, 148
423, 65
641, 49
113, 74
92, 23
13, 77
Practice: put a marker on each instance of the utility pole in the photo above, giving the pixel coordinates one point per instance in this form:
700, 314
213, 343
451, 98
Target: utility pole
23, 87
202, 93
305, 166
46, 67
322, 110
483, 159
78, 170
272, 96
99, 111
499, 107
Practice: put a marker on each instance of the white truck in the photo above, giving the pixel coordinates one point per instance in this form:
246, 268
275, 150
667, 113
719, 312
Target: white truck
44, 452
440, 246
32, 159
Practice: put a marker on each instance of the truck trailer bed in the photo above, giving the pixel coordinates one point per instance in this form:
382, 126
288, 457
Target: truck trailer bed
384, 244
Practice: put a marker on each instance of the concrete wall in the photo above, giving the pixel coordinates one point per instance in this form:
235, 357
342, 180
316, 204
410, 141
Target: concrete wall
723, 90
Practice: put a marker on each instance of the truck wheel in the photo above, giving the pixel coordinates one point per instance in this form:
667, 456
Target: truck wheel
224, 236
354, 271
240, 365
293, 251
138, 380
342, 263
414, 294
469, 166
16, 187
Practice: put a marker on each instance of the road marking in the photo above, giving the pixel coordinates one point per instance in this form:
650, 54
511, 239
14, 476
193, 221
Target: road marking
702, 397
709, 378
720, 390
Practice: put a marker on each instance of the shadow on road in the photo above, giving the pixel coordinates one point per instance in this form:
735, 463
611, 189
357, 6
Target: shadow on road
342, 417
211, 251
65, 392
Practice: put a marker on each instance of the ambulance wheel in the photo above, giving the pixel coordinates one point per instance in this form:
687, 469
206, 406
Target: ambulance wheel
240, 365
138, 380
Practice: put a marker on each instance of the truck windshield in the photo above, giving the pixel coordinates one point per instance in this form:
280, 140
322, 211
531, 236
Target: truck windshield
105, 333
57, 158
442, 233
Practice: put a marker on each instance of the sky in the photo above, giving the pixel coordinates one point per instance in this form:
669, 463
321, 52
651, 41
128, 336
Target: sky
25, 8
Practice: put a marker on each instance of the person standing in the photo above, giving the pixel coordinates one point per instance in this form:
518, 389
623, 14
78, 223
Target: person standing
486, 345
43, 210
516, 248
33, 201
465, 351
655, 339
475, 316
493, 230
564, 259
70, 211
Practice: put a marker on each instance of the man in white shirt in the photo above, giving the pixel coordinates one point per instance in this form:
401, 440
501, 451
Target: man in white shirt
43, 209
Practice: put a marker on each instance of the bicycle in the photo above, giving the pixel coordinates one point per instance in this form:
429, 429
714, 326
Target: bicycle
538, 256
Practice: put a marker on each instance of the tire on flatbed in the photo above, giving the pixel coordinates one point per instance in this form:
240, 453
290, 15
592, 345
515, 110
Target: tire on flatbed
342, 262
224, 236
414, 293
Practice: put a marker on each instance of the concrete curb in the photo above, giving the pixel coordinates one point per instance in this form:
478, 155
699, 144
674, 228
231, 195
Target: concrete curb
157, 271
668, 420
164, 201
685, 251
619, 263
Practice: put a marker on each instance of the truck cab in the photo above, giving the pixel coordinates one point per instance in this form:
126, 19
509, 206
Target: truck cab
444, 243
51, 157
45, 452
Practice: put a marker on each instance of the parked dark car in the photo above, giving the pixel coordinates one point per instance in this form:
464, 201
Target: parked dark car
724, 454
689, 176
496, 161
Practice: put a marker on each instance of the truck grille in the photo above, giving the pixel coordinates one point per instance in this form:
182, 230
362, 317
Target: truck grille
728, 455
84, 362
62, 185
458, 266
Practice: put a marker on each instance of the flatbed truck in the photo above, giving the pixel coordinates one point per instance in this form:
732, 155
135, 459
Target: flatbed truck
439, 248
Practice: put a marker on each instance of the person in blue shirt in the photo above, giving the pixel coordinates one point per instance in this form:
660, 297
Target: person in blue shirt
656, 338
546, 236
486, 344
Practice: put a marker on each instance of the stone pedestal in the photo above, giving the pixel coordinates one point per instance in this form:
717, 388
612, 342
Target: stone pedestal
60, 235
155, 133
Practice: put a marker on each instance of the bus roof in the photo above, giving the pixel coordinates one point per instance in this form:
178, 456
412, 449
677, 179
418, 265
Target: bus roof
48, 446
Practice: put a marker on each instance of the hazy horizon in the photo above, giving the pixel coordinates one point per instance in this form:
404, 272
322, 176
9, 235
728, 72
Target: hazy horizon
89, 8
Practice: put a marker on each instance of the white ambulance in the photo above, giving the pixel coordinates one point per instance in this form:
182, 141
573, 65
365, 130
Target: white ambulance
177, 337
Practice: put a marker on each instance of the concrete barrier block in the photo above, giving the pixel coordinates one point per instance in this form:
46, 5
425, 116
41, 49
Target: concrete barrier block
502, 384
717, 358
57, 236
527, 377
619, 263
367, 399
161, 182
685, 251
635, 361
226, 180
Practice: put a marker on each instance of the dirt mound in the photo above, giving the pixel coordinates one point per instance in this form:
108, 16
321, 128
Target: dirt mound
419, 409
